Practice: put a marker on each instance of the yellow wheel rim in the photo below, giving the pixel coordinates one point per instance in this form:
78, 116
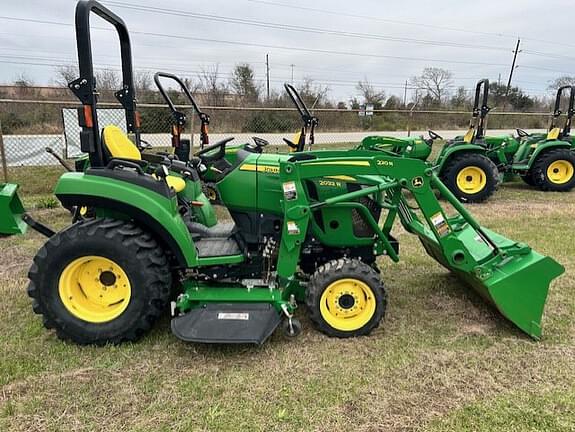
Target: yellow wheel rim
560, 171
94, 289
347, 304
471, 180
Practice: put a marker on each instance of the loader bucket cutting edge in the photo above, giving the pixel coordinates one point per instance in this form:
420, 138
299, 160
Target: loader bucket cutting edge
11, 211
516, 286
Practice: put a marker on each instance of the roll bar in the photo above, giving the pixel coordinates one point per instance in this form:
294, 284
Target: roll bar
85, 87
570, 113
557, 109
180, 117
309, 120
480, 112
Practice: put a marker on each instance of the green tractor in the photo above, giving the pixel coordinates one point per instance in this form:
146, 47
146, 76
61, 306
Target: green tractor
305, 230
219, 157
546, 160
462, 164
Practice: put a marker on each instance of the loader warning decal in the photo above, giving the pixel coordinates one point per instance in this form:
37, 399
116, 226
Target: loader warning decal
417, 182
290, 191
292, 228
440, 224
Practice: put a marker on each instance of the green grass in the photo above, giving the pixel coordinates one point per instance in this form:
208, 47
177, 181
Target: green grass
442, 360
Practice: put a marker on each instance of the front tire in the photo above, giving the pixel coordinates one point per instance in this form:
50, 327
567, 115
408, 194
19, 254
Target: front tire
554, 170
100, 281
346, 298
471, 177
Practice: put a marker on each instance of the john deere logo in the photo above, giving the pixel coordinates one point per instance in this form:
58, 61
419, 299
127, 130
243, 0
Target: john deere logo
417, 182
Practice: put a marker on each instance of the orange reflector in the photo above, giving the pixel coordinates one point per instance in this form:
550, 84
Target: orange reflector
88, 120
138, 118
197, 203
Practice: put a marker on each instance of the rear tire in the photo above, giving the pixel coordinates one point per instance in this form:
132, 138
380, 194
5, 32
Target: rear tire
544, 175
478, 185
346, 298
78, 282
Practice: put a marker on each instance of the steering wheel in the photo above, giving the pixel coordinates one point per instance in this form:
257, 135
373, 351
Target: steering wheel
521, 133
258, 145
220, 154
434, 136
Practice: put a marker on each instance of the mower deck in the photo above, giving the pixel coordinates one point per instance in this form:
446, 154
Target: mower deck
249, 323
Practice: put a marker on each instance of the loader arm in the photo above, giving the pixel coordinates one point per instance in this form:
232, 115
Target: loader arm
510, 275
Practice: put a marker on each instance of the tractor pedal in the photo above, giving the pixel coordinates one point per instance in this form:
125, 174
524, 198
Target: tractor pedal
232, 323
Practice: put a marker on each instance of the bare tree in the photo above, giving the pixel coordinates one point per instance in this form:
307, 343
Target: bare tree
435, 81
23, 80
24, 86
211, 85
314, 95
142, 81
370, 94
65, 74
565, 80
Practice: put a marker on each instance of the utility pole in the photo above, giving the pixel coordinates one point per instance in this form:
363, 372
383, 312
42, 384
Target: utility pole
511, 71
405, 94
292, 66
268, 74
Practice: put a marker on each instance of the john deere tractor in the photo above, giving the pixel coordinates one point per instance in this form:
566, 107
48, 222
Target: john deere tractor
546, 161
305, 230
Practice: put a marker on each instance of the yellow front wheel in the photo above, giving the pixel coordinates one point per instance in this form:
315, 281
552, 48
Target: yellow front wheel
346, 298
471, 177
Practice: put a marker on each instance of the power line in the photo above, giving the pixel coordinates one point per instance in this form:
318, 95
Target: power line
281, 47
409, 23
372, 18
297, 28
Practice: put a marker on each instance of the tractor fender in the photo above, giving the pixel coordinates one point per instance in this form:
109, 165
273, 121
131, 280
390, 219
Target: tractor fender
448, 152
151, 210
545, 146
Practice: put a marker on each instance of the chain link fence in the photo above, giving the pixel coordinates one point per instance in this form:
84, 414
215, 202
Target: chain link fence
29, 127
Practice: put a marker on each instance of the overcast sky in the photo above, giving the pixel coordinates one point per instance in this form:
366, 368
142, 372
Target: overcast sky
471, 39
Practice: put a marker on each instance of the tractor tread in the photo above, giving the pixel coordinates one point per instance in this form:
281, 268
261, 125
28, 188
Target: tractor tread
152, 265
449, 172
539, 170
341, 268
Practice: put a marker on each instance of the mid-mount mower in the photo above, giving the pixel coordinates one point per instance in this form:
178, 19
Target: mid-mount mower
305, 230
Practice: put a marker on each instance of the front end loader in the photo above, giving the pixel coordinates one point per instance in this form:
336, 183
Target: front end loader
306, 229
11, 211
462, 164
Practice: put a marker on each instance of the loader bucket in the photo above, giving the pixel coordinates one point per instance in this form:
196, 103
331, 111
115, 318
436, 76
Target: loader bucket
11, 211
515, 280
